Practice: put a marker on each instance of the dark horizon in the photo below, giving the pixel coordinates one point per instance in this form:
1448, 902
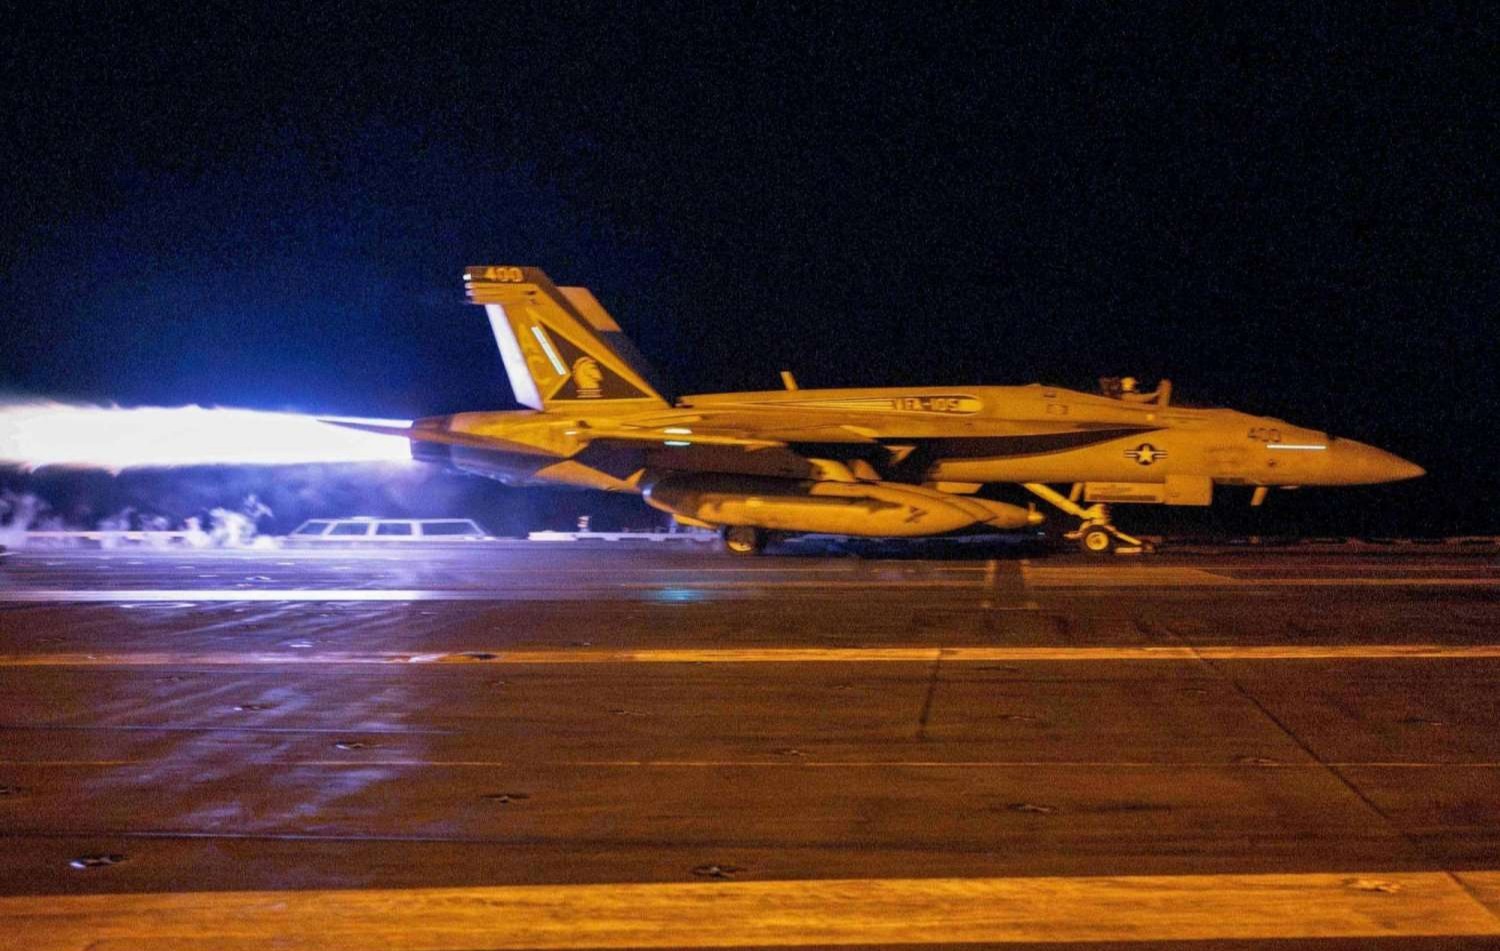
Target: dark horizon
1293, 216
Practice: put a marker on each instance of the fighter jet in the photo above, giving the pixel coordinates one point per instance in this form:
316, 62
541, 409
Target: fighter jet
907, 461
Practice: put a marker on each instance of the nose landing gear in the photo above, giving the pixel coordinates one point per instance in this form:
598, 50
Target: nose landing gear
1097, 535
1095, 540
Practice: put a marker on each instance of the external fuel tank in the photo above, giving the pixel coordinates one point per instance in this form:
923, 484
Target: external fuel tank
835, 508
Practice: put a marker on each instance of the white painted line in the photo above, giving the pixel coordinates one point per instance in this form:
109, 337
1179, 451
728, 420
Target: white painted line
725, 914
1032, 577
50, 595
499, 593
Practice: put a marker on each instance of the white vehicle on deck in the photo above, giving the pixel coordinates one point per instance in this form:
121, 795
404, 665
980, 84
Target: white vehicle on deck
364, 530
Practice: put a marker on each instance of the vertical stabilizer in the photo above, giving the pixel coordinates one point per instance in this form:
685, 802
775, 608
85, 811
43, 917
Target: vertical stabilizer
560, 346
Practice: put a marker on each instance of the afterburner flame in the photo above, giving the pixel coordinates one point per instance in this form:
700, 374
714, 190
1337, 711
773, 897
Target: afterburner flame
33, 435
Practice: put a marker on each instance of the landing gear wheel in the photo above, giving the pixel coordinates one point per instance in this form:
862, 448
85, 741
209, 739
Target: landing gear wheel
744, 540
1096, 541
1096, 535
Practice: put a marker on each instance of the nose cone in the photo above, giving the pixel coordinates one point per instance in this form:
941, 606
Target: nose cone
1354, 463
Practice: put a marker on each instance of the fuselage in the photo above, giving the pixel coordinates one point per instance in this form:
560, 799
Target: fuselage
902, 461
957, 437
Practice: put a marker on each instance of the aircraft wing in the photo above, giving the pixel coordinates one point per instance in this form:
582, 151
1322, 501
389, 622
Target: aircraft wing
736, 434
634, 437
448, 438
646, 439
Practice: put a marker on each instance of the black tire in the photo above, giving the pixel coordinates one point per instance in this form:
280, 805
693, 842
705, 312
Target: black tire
1096, 541
744, 540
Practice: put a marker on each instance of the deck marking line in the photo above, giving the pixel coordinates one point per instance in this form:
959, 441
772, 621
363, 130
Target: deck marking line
110, 595
941, 911
772, 655
1035, 577
775, 764
1201, 578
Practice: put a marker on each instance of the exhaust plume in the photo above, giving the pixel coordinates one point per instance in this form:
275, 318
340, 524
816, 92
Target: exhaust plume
113, 438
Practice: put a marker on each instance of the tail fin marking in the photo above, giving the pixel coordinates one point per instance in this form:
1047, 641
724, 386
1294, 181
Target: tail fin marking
559, 345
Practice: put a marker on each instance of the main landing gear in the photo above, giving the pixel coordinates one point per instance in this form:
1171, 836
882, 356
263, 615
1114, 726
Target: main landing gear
1096, 535
744, 539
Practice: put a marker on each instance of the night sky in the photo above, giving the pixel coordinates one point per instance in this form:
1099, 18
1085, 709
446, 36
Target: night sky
1290, 214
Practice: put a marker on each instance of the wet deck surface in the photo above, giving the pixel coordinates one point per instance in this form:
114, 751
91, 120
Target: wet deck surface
304, 722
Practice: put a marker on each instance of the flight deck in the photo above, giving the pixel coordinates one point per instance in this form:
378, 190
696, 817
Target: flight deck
628, 745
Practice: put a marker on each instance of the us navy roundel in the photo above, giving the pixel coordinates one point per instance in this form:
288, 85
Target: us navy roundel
1145, 454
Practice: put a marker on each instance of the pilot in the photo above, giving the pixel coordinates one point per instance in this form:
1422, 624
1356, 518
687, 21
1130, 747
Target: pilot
1130, 392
